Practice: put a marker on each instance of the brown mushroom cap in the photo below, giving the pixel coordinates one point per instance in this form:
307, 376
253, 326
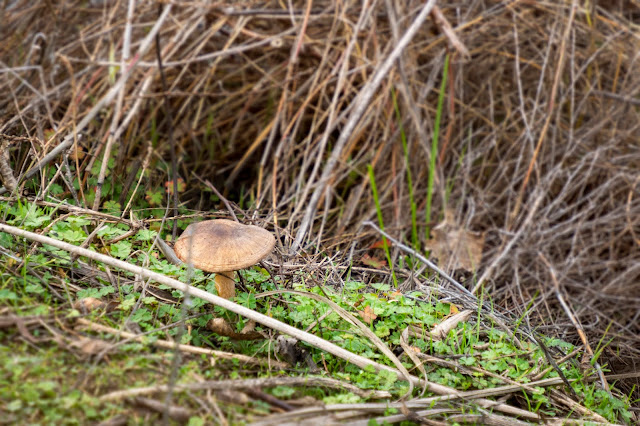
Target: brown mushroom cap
223, 245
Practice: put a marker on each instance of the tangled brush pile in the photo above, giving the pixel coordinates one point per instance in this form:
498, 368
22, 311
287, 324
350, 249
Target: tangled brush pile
537, 136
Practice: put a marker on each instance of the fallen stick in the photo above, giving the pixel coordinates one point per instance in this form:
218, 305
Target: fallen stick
244, 384
167, 344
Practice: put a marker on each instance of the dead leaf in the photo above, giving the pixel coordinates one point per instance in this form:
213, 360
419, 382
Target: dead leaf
223, 328
76, 154
453, 309
373, 262
367, 315
395, 295
233, 397
90, 346
169, 186
88, 304
379, 244
305, 401
248, 327
455, 246
289, 350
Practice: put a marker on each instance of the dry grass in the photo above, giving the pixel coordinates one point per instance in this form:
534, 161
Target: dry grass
539, 144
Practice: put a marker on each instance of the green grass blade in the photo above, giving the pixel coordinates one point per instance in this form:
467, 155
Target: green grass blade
405, 150
374, 190
434, 145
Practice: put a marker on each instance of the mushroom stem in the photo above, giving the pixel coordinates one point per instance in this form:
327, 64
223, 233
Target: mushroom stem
225, 284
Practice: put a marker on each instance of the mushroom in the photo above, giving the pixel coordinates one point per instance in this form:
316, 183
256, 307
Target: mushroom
223, 246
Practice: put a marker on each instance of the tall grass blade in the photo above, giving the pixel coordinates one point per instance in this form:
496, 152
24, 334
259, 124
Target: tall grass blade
434, 146
405, 150
374, 190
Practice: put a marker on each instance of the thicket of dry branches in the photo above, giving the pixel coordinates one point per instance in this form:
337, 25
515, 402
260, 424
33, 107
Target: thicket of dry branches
539, 139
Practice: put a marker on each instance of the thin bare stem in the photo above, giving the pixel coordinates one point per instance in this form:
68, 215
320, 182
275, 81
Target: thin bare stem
359, 105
